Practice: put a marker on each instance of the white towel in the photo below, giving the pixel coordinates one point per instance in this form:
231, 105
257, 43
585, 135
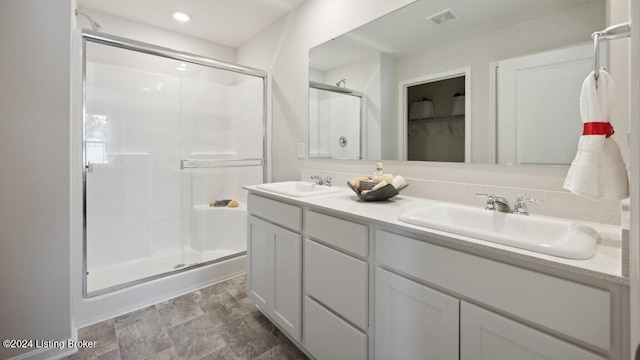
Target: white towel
598, 171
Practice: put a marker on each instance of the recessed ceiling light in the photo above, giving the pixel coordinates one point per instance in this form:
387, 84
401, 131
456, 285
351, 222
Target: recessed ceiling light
180, 16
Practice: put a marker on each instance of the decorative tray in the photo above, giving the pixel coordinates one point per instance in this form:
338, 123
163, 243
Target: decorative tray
386, 192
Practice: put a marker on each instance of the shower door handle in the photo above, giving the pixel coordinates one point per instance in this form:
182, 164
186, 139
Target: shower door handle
89, 167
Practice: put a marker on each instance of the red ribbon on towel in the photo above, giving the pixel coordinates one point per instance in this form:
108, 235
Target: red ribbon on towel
597, 128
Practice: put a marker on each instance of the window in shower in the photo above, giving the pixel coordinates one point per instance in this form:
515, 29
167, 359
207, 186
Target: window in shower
96, 138
163, 138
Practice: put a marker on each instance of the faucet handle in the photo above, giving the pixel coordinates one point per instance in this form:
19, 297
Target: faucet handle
319, 180
520, 207
496, 203
491, 200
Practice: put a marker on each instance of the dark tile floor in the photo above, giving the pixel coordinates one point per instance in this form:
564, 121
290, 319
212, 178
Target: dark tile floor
217, 322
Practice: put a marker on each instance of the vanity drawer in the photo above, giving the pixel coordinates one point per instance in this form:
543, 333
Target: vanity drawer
338, 281
274, 211
327, 337
576, 310
343, 234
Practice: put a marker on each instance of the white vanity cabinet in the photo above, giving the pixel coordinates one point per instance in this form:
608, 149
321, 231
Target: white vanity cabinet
345, 286
578, 312
336, 287
275, 262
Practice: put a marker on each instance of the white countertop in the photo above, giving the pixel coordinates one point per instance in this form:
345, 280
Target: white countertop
605, 264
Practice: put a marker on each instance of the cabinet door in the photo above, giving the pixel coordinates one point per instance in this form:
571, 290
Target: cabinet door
275, 273
287, 280
488, 336
414, 321
261, 271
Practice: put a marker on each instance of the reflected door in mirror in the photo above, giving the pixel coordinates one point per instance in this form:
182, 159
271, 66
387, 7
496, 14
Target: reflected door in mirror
539, 105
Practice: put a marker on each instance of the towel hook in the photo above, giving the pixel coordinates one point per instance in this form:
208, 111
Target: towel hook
611, 33
596, 54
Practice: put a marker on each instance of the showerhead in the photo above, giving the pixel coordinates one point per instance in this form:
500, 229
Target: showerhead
343, 82
94, 25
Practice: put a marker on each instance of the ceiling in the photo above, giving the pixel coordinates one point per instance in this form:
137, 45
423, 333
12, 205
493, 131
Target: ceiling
226, 22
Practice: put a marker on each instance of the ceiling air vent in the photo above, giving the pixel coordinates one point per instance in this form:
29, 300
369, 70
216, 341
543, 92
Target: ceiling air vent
442, 17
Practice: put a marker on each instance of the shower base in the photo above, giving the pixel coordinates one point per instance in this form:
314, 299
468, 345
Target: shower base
109, 277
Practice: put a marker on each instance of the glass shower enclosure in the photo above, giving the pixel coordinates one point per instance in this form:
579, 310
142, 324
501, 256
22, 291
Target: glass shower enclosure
336, 122
165, 135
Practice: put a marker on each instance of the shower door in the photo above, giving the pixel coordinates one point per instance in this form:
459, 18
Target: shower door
164, 136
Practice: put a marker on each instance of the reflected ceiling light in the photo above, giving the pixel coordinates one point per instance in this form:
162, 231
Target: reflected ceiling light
180, 16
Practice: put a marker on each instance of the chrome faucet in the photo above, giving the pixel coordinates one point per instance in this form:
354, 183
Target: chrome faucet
496, 203
520, 206
319, 180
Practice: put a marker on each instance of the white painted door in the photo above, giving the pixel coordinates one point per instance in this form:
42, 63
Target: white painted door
287, 285
414, 321
487, 336
260, 253
538, 105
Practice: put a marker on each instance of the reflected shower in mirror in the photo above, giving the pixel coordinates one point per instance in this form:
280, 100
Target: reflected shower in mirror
386, 58
335, 121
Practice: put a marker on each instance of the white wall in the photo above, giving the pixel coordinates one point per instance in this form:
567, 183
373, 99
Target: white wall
283, 51
634, 169
35, 108
114, 25
388, 109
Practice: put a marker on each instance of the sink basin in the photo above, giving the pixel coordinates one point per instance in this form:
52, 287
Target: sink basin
543, 235
298, 188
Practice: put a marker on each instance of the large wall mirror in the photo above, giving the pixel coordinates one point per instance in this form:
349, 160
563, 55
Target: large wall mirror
458, 81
